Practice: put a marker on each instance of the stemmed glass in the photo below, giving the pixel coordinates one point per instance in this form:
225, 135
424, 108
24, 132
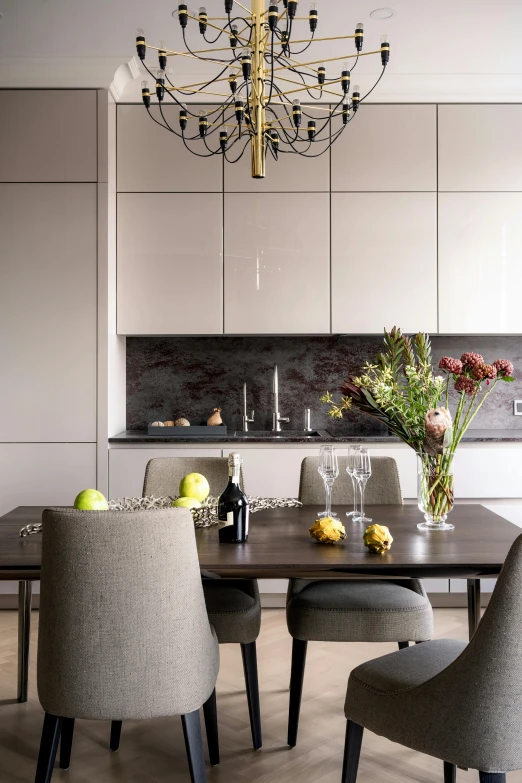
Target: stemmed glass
363, 471
353, 453
328, 470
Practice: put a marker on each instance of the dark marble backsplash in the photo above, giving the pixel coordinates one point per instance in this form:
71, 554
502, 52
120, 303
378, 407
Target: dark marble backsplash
168, 377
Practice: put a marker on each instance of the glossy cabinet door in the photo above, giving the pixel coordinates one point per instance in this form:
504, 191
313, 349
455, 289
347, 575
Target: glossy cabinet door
384, 262
277, 263
479, 147
170, 263
387, 148
48, 299
151, 159
48, 136
480, 272
291, 172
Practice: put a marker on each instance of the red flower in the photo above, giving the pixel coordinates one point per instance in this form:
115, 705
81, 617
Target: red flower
469, 360
451, 365
504, 368
466, 385
484, 372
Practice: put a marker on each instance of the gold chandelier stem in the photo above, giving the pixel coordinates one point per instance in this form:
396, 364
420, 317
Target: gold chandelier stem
258, 89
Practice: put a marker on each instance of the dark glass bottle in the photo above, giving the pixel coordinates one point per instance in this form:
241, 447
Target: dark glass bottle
233, 510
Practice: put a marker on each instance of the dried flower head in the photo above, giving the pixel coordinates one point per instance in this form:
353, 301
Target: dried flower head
466, 385
504, 368
451, 365
483, 372
469, 360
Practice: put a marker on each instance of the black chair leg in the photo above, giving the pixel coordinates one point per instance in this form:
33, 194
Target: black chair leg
403, 645
194, 746
115, 735
296, 688
450, 773
352, 751
48, 746
492, 777
211, 728
248, 651
66, 740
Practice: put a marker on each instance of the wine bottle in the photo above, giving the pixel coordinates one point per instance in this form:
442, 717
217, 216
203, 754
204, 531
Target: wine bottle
233, 507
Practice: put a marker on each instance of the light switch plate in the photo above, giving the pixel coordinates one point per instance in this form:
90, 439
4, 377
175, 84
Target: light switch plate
517, 407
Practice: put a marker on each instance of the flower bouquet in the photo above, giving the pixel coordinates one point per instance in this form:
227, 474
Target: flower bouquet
400, 390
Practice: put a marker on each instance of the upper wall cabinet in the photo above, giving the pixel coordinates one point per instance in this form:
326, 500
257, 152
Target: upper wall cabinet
291, 173
480, 274
384, 262
170, 263
479, 147
387, 148
152, 159
48, 312
277, 263
48, 136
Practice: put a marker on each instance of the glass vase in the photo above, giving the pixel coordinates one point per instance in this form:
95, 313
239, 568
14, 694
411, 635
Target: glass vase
435, 491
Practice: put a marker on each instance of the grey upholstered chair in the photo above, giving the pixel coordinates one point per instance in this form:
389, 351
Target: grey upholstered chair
351, 610
124, 632
457, 701
233, 605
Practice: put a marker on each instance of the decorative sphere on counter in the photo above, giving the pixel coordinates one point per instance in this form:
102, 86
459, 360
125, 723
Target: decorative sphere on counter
157, 424
328, 531
378, 539
168, 424
182, 422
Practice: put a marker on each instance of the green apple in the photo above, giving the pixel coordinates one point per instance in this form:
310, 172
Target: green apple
186, 503
91, 500
194, 485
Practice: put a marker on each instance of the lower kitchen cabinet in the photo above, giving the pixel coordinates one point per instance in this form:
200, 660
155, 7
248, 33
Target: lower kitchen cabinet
40, 474
127, 467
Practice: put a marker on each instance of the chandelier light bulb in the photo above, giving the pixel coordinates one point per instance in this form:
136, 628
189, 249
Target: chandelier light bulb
385, 50
140, 43
359, 36
140, 32
145, 93
183, 117
313, 6
202, 16
162, 54
296, 112
384, 38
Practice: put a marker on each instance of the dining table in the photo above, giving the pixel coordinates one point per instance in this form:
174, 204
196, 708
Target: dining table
279, 546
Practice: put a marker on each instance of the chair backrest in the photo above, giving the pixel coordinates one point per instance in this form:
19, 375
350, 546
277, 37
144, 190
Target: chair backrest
124, 632
383, 488
163, 474
480, 694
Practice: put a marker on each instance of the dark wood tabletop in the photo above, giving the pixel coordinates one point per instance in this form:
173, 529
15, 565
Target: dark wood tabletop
279, 545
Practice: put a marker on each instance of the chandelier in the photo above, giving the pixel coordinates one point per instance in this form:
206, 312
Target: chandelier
256, 81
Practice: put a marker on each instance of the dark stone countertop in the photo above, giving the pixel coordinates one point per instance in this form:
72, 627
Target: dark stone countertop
141, 436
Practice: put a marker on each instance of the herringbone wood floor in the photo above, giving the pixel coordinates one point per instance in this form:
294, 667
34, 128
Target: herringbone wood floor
153, 751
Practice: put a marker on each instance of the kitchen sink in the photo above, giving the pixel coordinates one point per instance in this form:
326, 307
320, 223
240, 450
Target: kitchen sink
269, 435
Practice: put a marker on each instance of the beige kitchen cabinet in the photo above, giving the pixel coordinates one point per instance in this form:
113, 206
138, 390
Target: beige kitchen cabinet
277, 263
151, 159
387, 148
170, 263
48, 312
479, 147
480, 274
384, 262
48, 136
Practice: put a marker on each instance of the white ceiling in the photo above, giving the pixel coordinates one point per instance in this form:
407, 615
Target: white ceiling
440, 49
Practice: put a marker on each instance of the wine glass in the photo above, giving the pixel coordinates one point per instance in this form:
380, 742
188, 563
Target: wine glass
328, 470
353, 452
363, 471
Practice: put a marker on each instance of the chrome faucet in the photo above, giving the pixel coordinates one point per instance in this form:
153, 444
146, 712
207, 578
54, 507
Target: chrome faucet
246, 420
276, 418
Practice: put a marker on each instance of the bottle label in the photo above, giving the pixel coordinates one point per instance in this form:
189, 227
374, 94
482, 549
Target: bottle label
228, 521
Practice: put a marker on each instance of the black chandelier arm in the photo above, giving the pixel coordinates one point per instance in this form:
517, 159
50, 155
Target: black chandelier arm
167, 127
198, 154
203, 59
374, 86
240, 155
308, 45
201, 86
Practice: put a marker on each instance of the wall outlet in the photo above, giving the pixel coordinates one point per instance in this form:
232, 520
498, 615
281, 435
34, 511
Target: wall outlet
517, 407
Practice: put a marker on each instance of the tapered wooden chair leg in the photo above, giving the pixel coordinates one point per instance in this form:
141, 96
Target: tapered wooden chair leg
48, 746
296, 688
211, 728
194, 745
66, 740
115, 735
450, 773
248, 651
352, 751
403, 645
492, 777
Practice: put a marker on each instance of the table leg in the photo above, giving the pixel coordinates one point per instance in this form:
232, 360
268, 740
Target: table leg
473, 605
25, 592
